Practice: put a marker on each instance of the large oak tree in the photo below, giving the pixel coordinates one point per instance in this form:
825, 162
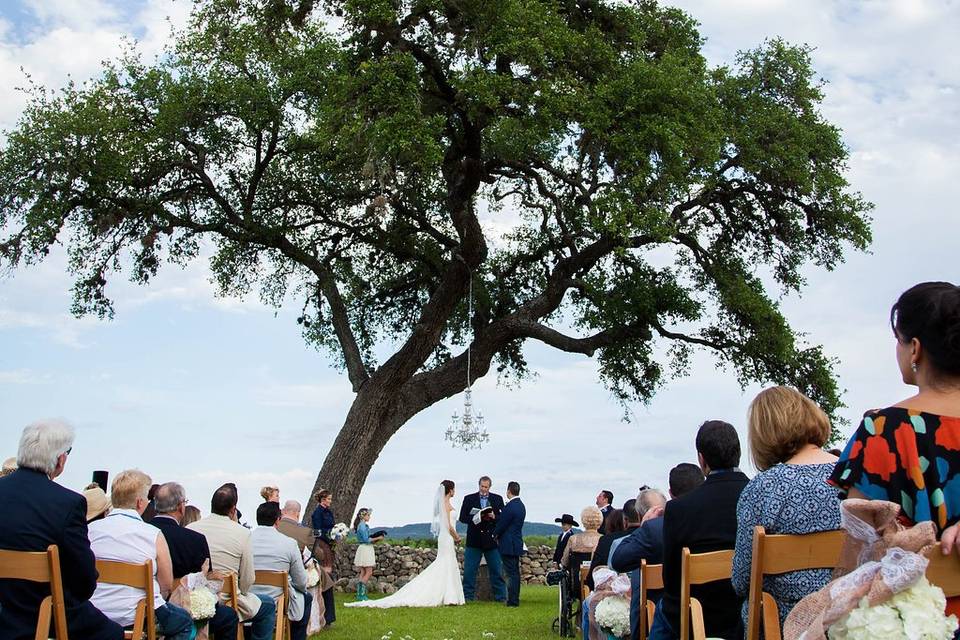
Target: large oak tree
356, 156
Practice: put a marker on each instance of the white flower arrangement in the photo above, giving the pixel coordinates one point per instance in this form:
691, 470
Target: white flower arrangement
613, 616
339, 531
916, 614
203, 603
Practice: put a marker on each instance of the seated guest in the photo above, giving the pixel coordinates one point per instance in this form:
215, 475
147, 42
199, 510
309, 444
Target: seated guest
273, 551
567, 523
605, 504
270, 494
585, 541
322, 592
704, 520
190, 515
616, 528
98, 505
9, 466
124, 537
188, 551
149, 512
646, 543
786, 432
231, 550
290, 525
38, 512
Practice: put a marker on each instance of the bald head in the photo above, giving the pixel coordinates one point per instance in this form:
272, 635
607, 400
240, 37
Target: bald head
291, 509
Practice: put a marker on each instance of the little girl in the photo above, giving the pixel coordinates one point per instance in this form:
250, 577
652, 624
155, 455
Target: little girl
366, 558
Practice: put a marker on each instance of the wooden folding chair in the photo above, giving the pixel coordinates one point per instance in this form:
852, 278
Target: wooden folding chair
780, 553
699, 568
651, 579
230, 590
139, 576
40, 566
584, 589
277, 579
944, 571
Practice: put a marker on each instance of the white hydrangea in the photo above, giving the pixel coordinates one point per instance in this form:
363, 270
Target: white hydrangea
916, 614
339, 531
203, 604
613, 614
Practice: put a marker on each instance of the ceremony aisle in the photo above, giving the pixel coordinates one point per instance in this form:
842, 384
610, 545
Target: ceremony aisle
473, 621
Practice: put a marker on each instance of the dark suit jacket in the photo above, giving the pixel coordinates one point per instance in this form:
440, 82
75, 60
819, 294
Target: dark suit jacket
480, 536
704, 520
601, 553
645, 543
509, 531
562, 541
606, 514
188, 548
38, 512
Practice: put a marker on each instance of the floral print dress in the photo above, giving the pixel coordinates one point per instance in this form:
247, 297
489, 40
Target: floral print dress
908, 457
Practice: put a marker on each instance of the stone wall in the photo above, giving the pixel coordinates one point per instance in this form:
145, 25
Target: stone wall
396, 566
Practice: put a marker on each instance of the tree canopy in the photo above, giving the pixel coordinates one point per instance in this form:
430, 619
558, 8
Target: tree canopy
606, 191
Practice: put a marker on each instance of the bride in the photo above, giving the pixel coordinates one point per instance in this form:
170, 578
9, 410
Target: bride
440, 582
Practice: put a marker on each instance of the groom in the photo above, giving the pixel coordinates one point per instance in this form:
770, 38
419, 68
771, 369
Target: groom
509, 535
480, 542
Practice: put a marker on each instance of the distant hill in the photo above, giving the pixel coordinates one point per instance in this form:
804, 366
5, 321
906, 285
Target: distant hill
421, 530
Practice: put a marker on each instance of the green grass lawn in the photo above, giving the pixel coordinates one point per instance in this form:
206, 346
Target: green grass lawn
474, 621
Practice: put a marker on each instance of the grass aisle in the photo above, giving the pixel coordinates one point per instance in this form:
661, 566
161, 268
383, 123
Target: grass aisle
473, 621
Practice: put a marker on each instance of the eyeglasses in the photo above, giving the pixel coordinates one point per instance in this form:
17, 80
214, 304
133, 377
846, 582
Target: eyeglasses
67, 452
644, 488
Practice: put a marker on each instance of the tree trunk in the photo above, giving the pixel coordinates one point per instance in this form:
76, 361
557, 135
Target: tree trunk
365, 432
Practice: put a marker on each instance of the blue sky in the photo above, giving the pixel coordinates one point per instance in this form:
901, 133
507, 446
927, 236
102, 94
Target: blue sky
202, 390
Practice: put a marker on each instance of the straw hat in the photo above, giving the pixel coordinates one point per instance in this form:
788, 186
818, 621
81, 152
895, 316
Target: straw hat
9, 466
97, 502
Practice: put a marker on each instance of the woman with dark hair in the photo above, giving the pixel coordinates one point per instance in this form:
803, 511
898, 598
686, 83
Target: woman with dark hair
910, 453
439, 583
614, 528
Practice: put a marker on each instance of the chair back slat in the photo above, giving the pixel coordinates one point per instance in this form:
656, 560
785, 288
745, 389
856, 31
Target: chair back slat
944, 571
651, 577
230, 590
277, 579
774, 554
40, 566
699, 568
138, 576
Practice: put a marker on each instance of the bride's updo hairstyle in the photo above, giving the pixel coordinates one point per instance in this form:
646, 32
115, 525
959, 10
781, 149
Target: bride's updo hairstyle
930, 312
448, 486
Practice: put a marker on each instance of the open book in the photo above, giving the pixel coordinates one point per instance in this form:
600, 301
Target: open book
481, 514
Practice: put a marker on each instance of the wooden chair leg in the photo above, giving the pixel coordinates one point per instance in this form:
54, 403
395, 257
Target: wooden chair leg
698, 631
771, 618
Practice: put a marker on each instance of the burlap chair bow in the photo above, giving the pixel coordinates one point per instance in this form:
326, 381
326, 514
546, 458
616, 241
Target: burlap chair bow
880, 558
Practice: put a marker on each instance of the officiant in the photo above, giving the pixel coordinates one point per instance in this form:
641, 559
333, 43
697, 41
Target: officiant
479, 512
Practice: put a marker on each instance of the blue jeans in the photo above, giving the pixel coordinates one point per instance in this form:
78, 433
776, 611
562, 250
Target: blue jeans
223, 625
662, 629
174, 623
471, 563
511, 567
585, 621
262, 624
298, 628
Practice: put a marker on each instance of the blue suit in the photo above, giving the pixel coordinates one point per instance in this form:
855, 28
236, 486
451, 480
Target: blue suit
509, 534
646, 543
38, 512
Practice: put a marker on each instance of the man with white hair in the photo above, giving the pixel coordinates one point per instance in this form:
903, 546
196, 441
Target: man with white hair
37, 513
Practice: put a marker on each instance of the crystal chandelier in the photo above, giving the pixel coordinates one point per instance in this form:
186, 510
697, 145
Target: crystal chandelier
467, 431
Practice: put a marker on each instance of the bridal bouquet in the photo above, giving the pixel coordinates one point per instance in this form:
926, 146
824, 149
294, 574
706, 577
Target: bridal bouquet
916, 613
199, 593
880, 590
613, 616
339, 532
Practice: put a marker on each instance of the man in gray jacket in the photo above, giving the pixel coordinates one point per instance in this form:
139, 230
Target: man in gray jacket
273, 551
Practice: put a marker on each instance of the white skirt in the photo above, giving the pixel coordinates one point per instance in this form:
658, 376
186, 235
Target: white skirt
366, 556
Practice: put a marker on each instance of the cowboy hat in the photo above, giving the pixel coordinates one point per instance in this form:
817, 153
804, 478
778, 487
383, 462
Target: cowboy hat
567, 519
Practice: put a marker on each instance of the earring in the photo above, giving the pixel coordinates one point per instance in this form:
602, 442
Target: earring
914, 367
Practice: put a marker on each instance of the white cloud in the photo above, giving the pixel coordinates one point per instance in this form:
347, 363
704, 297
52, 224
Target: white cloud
25, 376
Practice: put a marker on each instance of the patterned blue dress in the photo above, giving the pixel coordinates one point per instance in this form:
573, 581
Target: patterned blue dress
786, 498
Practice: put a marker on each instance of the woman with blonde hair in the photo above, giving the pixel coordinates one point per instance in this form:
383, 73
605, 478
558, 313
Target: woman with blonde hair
585, 541
786, 431
270, 494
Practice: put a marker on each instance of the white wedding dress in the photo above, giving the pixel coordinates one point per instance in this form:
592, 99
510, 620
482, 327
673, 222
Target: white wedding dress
439, 584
